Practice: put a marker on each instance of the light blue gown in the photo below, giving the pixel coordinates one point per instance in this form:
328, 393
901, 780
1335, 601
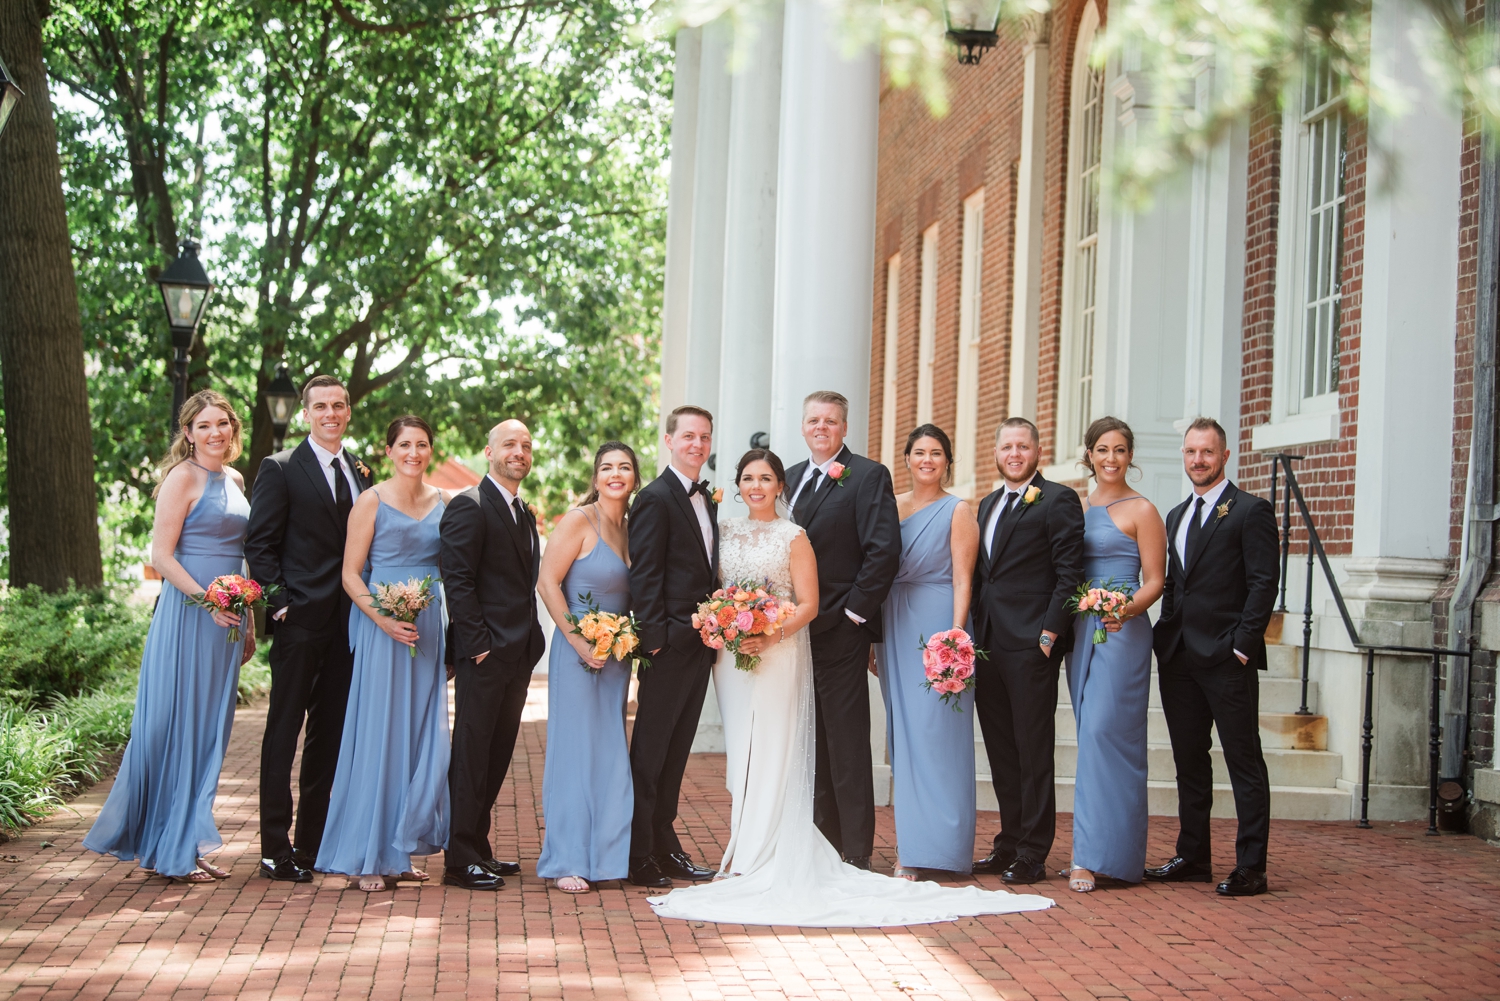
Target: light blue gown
1110, 684
931, 747
160, 810
587, 793
390, 789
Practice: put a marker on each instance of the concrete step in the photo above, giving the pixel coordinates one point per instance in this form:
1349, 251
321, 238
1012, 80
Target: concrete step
1287, 802
1314, 769
1283, 661
1277, 729
1277, 694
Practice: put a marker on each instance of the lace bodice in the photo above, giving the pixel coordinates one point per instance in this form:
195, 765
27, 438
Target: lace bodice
758, 550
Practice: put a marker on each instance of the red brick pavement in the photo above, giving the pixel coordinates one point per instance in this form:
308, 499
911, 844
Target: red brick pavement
1386, 913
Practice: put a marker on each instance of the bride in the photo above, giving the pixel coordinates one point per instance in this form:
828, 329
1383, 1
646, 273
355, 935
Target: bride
778, 868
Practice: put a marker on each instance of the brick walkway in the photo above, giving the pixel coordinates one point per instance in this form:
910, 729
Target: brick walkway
1387, 913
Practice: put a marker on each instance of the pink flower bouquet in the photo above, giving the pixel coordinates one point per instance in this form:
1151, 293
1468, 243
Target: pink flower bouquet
1102, 600
403, 600
738, 610
230, 593
948, 661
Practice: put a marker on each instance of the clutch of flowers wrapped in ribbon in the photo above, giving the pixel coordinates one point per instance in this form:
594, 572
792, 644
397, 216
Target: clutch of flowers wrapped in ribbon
1104, 600
230, 593
403, 600
737, 611
612, 634
948, 661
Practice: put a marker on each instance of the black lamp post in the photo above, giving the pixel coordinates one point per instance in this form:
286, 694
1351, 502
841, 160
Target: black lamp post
281, 401
184, 292
973, 26
10, 94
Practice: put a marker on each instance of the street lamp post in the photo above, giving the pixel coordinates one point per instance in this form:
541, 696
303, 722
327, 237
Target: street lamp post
184, 292
10, 94
281, 401
973, 26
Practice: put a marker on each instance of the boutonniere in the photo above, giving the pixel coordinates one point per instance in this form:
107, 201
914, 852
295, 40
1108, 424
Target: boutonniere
1032, 495
838, 472
362, 469
1223, 510
718, 495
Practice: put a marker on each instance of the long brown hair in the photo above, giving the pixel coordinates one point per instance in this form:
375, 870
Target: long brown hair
605, 449
182, 444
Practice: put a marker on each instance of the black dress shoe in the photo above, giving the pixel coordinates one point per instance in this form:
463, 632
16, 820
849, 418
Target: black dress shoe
1024, 871
305, 860
284, 870
678, 866
995, 862
648, 873
472, 877
502, 868
1243, 882
860, 862
1180, 870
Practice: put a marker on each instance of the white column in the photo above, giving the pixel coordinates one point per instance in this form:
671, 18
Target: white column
825, 232
1031, 186
676, 295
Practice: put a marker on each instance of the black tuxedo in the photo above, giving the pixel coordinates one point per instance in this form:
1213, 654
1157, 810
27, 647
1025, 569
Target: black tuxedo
295, 541
490, 563
855, 532
1021, 588
1218, 599
671, 571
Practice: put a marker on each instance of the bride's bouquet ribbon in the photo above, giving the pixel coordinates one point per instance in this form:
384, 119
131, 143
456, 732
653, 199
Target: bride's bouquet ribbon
403, 600
1102, 600
948, 662
611, 634
737, 611
231, 593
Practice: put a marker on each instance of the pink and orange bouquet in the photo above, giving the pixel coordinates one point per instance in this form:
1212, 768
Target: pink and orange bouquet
948, 661
612, 634
736, 611
230, 593
1103, 600
403, 600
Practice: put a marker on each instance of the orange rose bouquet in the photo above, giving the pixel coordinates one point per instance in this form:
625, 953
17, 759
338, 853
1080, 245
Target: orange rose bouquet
736, 611
230, 593
611, 634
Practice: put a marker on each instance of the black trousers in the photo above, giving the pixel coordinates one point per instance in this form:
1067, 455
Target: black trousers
310, 672
1015, 698
844, 781
669, 700
1196, 700
488, 700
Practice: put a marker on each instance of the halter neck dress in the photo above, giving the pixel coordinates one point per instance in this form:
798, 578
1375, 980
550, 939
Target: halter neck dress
160, 809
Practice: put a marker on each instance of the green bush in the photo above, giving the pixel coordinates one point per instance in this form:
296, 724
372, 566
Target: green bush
64, 644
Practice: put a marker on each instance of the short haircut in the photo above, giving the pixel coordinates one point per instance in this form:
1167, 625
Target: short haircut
1018, 422
828, 396
686, 411
318, 382
1208, 424
393, 429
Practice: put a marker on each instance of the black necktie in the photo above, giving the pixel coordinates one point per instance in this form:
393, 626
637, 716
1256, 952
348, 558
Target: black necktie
520, 513
807, 492
1194, 532
1005, 510
342, 498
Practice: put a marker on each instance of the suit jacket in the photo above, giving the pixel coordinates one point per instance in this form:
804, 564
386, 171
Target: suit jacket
1023, 586
295, 539
855, 531
490, 566
1219, 598
670, 572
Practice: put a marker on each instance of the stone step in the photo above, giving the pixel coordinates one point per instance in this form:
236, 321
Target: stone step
1314, 769
1287, 802
1277, 729
1277, 694
1283, 661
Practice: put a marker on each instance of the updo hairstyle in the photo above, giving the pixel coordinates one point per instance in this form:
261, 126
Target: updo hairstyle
941, 437
1099, 429
393, 429
761, 455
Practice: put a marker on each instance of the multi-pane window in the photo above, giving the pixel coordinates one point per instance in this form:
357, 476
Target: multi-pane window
1323, 257
1086, 247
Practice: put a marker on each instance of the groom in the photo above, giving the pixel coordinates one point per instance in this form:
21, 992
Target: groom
674, 549
846, 505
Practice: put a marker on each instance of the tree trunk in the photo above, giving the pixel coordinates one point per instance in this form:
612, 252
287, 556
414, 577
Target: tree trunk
54, 532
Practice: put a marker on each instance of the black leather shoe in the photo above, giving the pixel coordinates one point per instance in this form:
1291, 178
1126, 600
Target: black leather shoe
1243, 882
473, 877
305, 860
860, 862
678, 866
1023, 871
501, 868
284, 870
994, 863
1180, 870
648, 873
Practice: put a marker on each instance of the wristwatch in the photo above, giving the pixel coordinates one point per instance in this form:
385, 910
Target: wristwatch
1046, 641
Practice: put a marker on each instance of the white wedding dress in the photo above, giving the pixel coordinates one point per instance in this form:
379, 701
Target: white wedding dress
778, 868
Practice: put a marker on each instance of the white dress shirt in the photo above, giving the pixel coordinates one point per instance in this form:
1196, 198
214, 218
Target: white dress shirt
994, 520
1210, 501
325, 459
510, 500
807, 476
700, 508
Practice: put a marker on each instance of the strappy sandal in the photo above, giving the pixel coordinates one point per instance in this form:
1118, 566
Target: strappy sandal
1080, 884
368, 884
212, 870
910, 875
196, 876
580, 885
413, 876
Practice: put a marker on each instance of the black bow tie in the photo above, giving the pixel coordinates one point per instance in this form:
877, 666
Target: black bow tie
701, 487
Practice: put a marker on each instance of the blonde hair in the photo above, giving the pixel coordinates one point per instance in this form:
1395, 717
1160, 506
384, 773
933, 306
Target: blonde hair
182, 445
828, 396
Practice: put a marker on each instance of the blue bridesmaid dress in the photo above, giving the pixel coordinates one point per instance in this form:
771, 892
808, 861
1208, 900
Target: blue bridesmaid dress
160, 810
390, 788
1110, 684
587, 794
931, 746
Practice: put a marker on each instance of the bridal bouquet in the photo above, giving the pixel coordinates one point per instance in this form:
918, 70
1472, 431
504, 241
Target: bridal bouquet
403, 600
745, 608
612, 634
948, 661
230, 593
1104, 600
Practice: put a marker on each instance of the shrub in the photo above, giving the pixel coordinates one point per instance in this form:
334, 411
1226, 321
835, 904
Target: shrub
67, 643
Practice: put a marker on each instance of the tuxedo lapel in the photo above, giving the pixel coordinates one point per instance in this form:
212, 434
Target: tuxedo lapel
793, 477
685, 503
309, 464
491, 493
985, 507
824, 487
1174, 519
1226, 501
1008, 527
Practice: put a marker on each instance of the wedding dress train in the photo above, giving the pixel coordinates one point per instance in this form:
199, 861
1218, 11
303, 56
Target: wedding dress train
778, 868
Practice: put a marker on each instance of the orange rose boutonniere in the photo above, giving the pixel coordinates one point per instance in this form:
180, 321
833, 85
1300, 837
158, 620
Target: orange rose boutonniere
362, 469
1032, 495
718, 495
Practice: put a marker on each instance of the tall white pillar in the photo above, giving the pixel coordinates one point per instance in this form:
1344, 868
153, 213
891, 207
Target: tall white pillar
677, 293
1031, 187
825, 231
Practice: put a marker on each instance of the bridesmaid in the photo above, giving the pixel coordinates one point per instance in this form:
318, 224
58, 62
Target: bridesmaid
587, 794
931, 746
1110, 684
160, 811
390, 789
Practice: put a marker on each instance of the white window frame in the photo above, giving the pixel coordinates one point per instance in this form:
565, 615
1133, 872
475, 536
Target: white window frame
1079, 346
889, 376
927, 324
970, 331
